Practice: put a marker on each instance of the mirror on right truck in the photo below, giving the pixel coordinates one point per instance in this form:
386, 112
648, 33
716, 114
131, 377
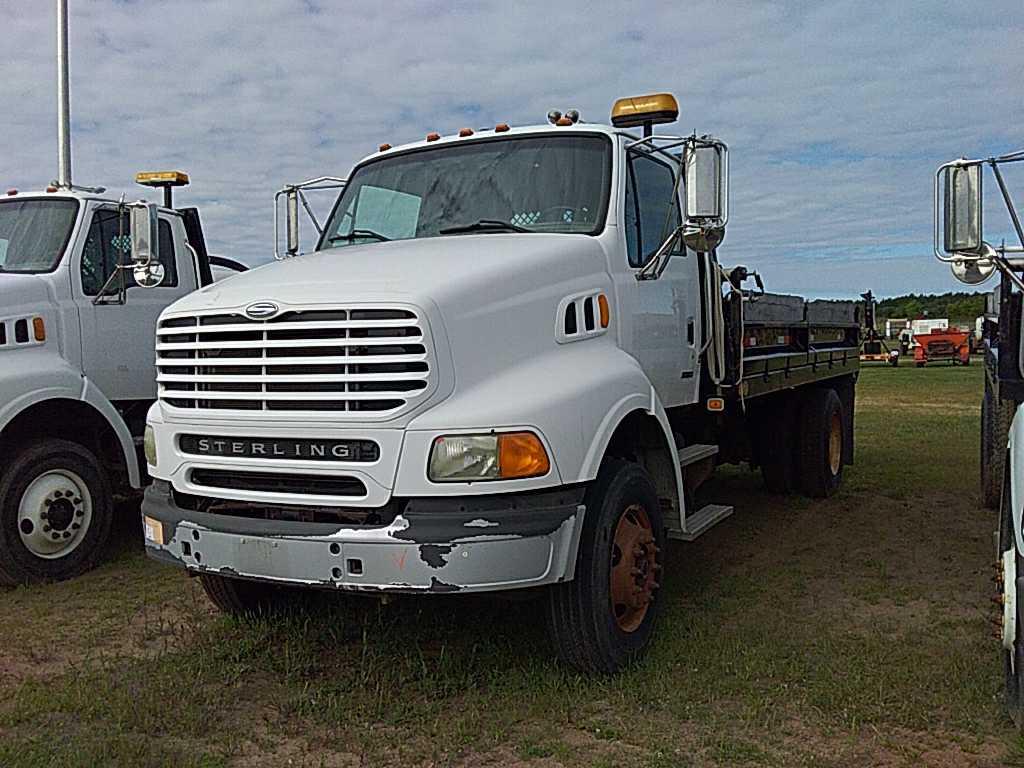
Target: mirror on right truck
706, 203
961, 230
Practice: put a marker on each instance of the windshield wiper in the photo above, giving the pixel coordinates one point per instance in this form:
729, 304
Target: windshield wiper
356, 234
484, 225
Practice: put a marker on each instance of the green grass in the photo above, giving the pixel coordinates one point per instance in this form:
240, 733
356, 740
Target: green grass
846, 632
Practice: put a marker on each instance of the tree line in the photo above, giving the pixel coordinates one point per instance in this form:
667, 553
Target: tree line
955, 305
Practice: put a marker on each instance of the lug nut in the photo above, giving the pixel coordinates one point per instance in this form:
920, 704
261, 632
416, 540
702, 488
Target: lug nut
67, 534
55, 535
47, 502
46, 529
43, 515
79, 513
76, 526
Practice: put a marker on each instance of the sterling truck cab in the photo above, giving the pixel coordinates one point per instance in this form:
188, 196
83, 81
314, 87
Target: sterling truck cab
76, 366
509, 364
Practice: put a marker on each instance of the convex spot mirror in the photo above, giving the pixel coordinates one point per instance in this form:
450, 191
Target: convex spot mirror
961, 228
706, 210
146, 266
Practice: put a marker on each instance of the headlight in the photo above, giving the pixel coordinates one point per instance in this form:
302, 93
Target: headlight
503, 456
149, 446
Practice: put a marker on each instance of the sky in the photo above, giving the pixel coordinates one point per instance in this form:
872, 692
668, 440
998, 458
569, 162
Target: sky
836, 112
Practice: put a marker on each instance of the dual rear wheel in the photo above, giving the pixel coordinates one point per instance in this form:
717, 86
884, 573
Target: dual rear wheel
803, 443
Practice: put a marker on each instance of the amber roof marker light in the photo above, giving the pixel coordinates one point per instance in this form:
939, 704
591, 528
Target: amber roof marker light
647, 111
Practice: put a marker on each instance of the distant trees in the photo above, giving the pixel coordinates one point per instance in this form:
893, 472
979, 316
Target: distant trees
958, 306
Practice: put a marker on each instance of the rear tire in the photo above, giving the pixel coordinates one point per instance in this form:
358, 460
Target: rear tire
778, 454
604, 618
821, 443
996, 416
56, 511
244, 598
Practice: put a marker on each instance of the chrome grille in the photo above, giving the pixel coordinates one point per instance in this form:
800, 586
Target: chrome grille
371, 361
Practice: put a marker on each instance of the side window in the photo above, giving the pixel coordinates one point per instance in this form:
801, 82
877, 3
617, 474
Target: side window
657, 206
108, 243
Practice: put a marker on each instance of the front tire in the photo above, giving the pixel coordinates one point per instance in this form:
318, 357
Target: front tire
56, 511
245, 598
604, 618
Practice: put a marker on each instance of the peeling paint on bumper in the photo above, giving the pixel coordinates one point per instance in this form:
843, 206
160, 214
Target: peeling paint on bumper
435, 546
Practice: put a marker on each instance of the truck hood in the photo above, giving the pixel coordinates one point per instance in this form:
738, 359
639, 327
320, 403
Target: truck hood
434, 269
20, 292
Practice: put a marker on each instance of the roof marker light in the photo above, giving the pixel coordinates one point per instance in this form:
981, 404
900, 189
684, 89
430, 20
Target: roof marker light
384, 147
11, 192
564, 120
463, 132
51, 188
501, 127
433, 136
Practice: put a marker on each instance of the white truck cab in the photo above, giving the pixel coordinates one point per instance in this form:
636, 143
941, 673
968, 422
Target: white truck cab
959, 241
505, 366
76, 376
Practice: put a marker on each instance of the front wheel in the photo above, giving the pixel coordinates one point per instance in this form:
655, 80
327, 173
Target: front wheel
1009, 570
56, 511
245, 598
604, 617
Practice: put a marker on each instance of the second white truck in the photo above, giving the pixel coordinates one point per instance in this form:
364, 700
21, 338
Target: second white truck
510, 364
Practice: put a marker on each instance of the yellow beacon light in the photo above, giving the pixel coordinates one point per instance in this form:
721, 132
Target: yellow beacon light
645, 110
166, 180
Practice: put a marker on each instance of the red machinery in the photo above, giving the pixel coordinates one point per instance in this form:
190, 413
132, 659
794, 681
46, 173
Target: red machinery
950, 344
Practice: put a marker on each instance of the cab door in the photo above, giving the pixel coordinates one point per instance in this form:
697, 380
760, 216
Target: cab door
665, 327
118, 352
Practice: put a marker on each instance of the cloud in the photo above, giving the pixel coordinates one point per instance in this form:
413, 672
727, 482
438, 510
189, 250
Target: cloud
836, 112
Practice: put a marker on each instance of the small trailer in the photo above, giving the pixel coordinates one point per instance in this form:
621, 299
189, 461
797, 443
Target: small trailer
942, 344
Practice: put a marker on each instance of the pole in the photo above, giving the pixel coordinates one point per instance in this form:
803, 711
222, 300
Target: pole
63, 98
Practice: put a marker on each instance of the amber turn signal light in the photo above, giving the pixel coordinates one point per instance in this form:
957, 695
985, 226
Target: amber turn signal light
521, 454
602, 306
38, 329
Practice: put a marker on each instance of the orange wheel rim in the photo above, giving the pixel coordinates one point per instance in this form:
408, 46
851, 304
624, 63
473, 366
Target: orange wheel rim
835, 443
634, 568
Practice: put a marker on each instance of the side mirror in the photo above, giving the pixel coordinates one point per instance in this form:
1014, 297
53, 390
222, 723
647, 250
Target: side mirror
145, 240
706, 210
292, 220
961, 228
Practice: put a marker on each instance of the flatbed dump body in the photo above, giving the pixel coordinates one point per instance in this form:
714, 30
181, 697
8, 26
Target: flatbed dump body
787, 342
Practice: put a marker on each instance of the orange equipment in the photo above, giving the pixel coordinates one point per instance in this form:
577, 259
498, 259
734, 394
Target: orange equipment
950, 344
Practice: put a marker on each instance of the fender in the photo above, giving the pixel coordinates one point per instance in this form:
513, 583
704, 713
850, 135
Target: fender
1015, 466
575, 396
64, 382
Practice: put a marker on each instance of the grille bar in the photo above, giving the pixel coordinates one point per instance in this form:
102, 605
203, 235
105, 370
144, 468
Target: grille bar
372, 361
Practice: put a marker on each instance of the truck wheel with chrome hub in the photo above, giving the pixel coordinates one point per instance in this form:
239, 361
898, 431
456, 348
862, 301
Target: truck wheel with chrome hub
55, 512
1009, 569
605, 616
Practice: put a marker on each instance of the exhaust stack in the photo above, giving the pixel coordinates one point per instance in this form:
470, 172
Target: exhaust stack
63, 99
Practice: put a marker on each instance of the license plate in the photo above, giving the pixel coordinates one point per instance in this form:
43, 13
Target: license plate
153, 530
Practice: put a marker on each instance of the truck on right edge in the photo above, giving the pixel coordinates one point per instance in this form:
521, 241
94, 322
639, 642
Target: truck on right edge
510, 363
959, 240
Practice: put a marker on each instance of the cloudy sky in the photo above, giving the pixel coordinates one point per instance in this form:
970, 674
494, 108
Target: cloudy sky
837, 111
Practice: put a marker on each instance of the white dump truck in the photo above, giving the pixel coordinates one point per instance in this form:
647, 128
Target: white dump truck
76, 353
960, 241
510, 363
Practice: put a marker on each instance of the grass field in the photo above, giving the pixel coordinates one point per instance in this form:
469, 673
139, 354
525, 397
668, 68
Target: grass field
851, 632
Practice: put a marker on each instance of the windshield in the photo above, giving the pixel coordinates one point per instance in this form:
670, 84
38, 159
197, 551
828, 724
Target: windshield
533, 184
34, 233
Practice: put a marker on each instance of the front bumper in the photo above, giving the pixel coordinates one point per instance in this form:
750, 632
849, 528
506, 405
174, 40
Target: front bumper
455, 544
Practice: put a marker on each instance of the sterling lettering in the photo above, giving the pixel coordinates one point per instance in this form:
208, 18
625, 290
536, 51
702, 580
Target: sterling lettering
310, 450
